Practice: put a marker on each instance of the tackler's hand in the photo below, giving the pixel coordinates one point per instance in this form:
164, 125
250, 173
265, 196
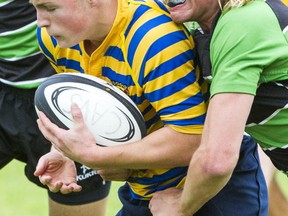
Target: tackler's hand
166, 202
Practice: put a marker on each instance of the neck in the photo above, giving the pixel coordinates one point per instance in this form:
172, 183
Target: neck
91, 46
206, 23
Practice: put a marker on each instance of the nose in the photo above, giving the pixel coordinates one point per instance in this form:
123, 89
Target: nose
42, 19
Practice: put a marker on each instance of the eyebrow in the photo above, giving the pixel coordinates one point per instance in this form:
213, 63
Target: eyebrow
39, 4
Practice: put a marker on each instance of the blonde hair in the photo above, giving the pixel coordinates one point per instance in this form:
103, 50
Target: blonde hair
228, 4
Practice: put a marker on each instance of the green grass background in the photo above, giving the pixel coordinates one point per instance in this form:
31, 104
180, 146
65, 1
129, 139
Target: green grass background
20, 197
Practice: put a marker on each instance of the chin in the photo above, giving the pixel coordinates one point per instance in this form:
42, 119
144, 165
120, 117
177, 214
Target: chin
65, 43
179, 16
180, 13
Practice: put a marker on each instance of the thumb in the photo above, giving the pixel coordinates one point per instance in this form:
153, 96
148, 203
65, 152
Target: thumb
40, 168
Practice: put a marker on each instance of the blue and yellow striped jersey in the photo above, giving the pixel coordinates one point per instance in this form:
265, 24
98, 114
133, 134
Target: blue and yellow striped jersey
150, 58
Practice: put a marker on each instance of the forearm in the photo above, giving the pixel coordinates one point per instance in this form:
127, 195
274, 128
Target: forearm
202, 184
164, 148
213, 163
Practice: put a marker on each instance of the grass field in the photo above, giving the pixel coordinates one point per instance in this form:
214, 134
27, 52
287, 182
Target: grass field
19, 197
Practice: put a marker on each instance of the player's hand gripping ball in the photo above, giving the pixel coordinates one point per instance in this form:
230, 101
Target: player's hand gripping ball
109, 113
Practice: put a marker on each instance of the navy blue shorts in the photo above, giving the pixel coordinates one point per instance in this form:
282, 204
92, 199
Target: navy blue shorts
244, 195
21, 139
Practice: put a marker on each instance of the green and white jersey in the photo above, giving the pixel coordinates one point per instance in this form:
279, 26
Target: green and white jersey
21, 63
249, 54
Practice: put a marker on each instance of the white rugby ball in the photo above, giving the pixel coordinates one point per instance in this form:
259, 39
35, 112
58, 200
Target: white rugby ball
109, 113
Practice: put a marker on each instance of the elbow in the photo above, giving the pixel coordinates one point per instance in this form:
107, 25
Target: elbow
218, 164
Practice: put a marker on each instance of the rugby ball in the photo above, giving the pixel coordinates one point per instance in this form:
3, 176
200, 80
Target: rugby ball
108, 112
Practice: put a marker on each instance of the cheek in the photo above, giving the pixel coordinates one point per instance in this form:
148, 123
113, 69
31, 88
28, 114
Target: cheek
70, 31
73, 25
74, 18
